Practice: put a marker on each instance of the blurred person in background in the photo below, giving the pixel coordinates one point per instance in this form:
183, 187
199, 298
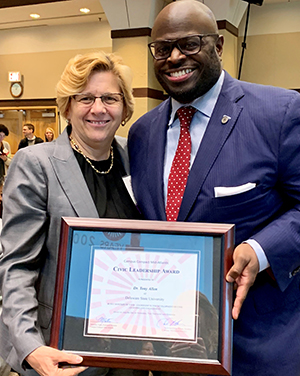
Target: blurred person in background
49, 134
29, 137
5, 158
5, 154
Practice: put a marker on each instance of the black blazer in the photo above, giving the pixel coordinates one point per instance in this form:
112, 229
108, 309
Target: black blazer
24, 142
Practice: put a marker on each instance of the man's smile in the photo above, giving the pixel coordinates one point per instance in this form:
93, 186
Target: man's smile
179, 75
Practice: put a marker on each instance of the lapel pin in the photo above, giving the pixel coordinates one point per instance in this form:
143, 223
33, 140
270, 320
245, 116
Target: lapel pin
225, 119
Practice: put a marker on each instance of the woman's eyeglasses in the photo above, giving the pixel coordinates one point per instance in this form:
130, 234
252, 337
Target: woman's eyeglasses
108, 99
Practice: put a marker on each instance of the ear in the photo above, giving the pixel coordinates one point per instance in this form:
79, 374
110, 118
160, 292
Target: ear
124, 115
219, 45
68, 112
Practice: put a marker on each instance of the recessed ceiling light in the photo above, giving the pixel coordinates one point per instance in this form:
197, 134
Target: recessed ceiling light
35, 16
85, 10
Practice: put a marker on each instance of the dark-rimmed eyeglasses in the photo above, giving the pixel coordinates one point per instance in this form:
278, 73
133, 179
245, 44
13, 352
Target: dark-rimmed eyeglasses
189, 45
108, 99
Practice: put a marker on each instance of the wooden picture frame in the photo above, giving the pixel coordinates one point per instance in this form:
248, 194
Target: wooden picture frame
145, 294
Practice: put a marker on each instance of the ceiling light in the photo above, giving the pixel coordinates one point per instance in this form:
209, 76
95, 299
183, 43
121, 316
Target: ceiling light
85, 10
35, 16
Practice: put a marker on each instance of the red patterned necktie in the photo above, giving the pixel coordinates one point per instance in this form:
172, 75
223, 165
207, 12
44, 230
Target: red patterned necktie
181, 164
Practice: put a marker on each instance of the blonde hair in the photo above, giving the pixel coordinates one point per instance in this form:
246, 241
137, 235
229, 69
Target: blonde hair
52, 131
78, 71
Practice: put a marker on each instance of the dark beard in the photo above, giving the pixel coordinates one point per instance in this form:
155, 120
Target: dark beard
210, 76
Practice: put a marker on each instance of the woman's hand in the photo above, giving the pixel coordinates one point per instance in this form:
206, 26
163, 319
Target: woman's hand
46, 362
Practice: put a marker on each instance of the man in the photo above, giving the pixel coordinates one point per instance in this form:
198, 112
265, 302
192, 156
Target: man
30, 138
244, 169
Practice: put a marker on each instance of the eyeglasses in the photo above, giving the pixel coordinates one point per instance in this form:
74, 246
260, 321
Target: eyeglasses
189, 45
108, 99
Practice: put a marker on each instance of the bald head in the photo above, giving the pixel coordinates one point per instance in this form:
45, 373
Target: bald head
185, 12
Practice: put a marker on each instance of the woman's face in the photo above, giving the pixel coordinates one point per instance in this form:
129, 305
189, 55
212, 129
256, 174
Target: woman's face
94, 125
2, 136
49, 135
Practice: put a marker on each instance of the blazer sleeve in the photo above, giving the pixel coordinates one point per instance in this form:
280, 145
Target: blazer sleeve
23, 237
280, 239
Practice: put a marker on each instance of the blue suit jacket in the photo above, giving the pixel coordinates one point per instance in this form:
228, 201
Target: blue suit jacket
259, 144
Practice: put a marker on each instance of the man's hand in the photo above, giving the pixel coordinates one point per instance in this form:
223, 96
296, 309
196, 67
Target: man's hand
243, 273
45, 361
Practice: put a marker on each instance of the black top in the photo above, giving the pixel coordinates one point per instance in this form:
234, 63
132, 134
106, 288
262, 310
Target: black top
108, 191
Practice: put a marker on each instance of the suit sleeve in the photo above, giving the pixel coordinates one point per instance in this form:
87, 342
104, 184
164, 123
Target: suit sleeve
23, 237
280, 239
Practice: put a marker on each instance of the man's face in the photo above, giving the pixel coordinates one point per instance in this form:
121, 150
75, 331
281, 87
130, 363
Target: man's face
26, 131
186, 78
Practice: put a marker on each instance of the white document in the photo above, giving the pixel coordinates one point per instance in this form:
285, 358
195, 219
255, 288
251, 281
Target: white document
142, 294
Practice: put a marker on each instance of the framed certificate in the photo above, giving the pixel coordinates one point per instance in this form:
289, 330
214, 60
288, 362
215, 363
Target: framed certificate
145, 294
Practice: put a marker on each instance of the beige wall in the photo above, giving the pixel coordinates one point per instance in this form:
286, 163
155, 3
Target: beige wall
135, 54
41, 71
273, 59
41, 53
230, 52
272, 56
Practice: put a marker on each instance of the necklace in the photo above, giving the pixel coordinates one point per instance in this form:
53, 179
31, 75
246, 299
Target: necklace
77, 148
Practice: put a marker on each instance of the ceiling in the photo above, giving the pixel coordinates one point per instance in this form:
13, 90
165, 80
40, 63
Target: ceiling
15, 14
56, 12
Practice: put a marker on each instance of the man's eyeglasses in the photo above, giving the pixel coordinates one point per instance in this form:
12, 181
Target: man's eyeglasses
108, 99
189, 45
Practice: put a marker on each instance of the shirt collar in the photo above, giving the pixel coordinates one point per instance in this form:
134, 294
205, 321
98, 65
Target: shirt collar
205, 104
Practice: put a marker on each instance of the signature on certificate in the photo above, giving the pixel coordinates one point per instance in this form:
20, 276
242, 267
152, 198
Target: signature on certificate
168, 322
103, 319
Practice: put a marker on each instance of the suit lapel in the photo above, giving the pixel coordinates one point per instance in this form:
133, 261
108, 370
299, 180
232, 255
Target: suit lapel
71, 179
156, 155
221, 124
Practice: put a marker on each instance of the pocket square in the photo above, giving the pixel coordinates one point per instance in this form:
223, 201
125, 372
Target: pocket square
231, 191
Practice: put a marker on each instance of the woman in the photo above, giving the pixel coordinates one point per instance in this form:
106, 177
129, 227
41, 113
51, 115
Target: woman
78, 174
49, 134
5, 158
5, 154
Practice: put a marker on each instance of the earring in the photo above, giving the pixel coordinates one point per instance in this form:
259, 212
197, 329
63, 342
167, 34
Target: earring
123, 123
